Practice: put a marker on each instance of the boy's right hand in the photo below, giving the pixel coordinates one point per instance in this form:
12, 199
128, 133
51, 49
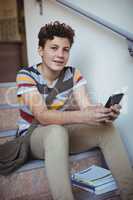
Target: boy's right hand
95, 114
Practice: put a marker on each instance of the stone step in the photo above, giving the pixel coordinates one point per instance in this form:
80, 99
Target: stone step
8, 94
31, 180
7, 135
27, 183
9, 112
8, 117
8, 106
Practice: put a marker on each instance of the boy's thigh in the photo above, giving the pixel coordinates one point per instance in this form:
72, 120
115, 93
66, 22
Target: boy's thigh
37, 140
82, 137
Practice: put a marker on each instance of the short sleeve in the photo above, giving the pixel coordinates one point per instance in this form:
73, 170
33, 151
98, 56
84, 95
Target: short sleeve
78, 79
25, 82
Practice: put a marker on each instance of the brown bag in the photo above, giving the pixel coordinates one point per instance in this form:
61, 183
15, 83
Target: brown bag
15, 152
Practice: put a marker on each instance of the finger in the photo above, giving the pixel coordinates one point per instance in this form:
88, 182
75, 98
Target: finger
113, 115
102, 119
104, 115
116, 107
105, 110
115, 110
112, 118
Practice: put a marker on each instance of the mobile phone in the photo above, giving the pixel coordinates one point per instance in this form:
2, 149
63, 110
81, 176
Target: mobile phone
114, 99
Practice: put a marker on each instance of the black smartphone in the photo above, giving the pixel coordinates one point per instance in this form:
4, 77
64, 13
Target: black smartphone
114, 99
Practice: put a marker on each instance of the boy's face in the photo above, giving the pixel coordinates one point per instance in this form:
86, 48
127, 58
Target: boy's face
55, 53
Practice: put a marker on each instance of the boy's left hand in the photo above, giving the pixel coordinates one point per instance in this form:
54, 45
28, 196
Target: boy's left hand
114, 112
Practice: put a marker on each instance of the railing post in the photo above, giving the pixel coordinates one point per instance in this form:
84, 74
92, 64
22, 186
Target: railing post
130, 46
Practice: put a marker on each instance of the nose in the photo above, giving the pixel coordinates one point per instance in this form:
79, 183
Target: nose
60, 53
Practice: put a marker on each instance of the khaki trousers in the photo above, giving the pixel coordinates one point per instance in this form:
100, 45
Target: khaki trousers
54, 142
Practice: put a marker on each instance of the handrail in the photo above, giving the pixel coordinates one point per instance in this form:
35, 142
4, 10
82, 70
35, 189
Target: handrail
112, 27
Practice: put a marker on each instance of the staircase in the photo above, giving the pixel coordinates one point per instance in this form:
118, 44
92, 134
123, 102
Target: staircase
30, 182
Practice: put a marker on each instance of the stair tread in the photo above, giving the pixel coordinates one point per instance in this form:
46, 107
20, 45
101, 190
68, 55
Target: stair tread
33, 164
7, 133
8, 106
36, 164
9, 118
31, 183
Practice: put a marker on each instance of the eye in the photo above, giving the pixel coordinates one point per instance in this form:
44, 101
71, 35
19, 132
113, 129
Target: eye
66, 50
54, 48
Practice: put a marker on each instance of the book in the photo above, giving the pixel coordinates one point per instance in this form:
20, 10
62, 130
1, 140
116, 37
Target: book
98, 190
98, 182
94, 179
94, 172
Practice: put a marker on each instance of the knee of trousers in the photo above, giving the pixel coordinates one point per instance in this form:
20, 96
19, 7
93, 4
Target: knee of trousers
57, 134
109, 136
108, 129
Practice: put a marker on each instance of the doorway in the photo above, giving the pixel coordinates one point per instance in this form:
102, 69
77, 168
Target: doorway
12, 39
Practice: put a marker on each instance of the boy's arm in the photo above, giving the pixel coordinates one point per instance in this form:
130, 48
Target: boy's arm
82, 98
38, 107
84, 103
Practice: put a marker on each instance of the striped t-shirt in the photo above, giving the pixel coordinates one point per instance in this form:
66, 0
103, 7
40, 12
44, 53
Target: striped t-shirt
30, 79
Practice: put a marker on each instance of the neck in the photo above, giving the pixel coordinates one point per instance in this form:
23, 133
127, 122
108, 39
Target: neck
48, 74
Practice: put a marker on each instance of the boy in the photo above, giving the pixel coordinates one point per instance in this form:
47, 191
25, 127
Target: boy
47, 92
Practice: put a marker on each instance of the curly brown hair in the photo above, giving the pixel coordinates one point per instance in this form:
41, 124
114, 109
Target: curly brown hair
56, 28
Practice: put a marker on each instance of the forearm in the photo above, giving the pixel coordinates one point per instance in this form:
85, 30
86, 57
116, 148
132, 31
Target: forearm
59, 117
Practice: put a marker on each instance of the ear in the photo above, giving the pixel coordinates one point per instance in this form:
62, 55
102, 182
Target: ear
40, 51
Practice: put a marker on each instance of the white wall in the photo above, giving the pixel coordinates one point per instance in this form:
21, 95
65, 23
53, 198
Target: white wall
101, 55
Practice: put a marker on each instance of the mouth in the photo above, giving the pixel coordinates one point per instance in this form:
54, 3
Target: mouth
59, 62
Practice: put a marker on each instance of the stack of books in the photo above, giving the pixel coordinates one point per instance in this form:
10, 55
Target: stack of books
94, 179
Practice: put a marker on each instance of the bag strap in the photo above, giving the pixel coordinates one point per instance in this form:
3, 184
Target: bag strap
59, 87
33, 125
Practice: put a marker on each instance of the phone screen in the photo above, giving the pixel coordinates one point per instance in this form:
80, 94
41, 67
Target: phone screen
114, 99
